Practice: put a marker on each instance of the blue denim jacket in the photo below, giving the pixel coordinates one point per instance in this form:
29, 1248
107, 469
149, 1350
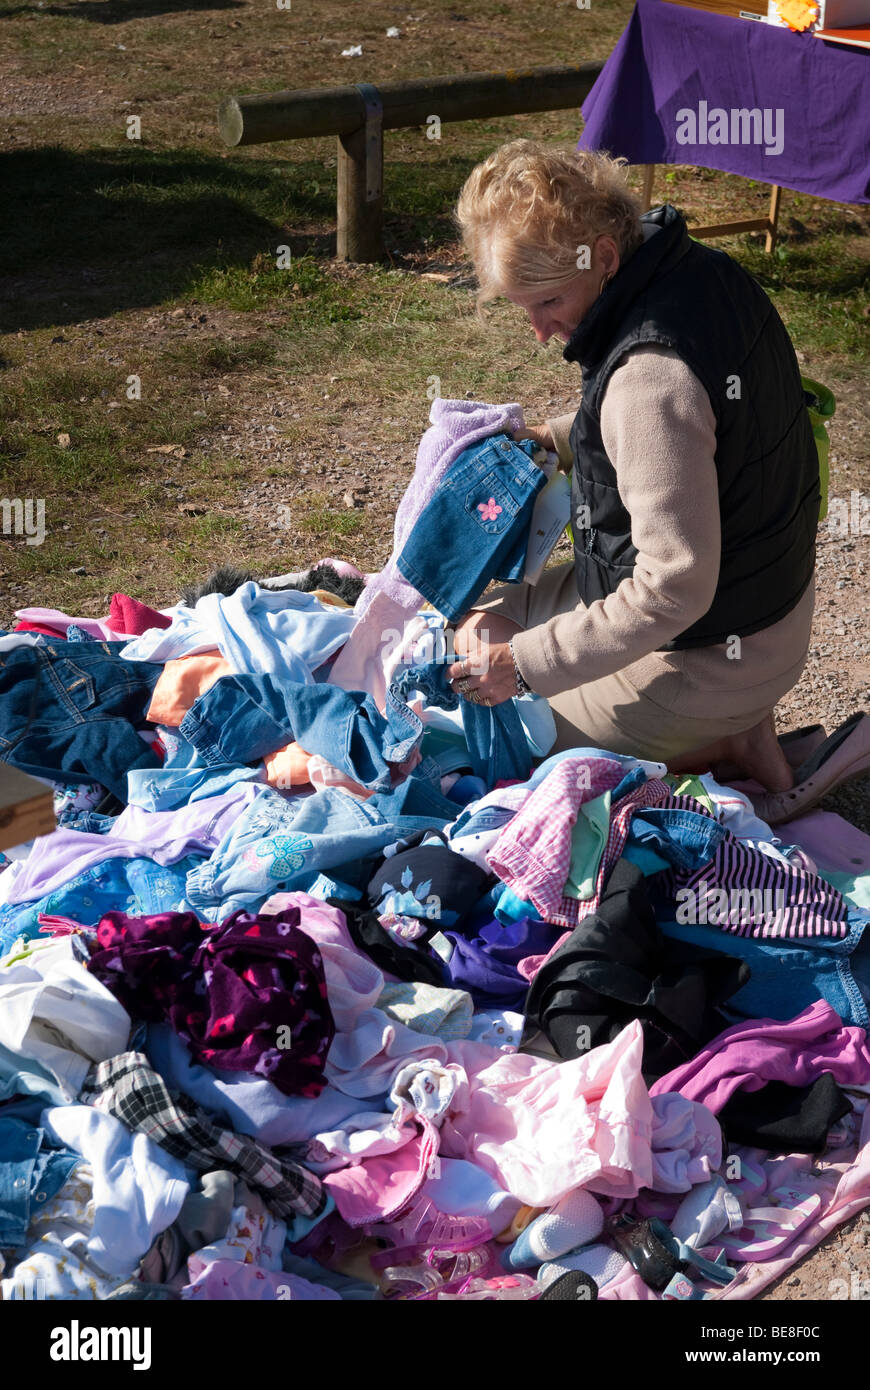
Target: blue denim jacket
30, 1173
276, 843
476, 526
686, 839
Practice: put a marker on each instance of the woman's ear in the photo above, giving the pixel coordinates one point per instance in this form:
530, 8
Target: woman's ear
608, 254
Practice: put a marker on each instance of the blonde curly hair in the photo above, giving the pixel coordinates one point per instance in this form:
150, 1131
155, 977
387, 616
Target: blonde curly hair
525, 210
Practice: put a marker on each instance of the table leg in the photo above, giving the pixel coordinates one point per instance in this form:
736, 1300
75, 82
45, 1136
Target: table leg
773, 217
649, 173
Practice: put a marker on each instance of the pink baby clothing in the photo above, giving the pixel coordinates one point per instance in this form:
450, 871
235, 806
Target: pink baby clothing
834, 843
225, 1280
533, 853
129, 616
52, 621
379, 1188
542, 1128
749, 1055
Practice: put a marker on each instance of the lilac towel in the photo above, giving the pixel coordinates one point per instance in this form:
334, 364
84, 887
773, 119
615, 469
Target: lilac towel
455, 426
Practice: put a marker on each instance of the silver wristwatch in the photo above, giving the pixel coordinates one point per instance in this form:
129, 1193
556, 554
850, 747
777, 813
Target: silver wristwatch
522, 687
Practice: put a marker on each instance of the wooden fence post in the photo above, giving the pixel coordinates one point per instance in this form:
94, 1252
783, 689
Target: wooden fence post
360, 185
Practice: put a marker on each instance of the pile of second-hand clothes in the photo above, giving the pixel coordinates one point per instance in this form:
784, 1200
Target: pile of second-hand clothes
328, 986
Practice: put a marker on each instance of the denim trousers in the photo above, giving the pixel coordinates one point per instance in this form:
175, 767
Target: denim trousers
69, 711
245, 717
276, 843
497, 743
788, 975
476, 526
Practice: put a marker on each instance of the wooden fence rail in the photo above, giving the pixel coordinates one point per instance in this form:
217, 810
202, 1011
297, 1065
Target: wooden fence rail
360, 114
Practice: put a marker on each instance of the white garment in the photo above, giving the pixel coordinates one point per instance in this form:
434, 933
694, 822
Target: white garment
734, 810
138, 1188
362, 1063
21, 639
261, 632
52, 1011
55, 1263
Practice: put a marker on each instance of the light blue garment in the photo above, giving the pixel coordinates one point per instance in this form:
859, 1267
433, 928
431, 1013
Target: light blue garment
464, 1189
184, 777
511, 908
645, 858
244, 1103
260, 631
136, 886
275, 842
536, 717
20, 1076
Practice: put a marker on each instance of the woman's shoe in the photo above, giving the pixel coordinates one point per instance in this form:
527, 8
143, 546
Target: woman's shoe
797, 745
844, 754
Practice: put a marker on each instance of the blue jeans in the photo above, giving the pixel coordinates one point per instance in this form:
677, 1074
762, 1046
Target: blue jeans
497, 743
69, 711
476, 526
243, 718
276, 843
788, 975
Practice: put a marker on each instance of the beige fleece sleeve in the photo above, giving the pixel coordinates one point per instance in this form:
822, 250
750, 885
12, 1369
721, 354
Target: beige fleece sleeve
659, 431
560, 429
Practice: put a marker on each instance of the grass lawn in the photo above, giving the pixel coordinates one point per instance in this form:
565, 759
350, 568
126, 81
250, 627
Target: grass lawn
178, 399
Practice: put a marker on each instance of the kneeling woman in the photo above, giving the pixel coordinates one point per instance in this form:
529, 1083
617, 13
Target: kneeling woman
686, 612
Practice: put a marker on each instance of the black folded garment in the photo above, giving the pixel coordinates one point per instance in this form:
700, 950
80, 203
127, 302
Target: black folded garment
786, 1119
407, 963
440, 884
617, 966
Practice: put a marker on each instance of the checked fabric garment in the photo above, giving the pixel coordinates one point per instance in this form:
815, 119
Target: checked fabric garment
127, 1087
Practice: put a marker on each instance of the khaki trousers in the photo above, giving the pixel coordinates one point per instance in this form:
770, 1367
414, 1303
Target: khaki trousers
666, 703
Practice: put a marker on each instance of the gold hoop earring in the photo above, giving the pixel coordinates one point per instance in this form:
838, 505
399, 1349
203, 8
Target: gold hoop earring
605, 282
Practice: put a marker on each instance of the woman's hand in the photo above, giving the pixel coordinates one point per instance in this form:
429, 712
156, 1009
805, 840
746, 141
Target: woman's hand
541, 434
486, 678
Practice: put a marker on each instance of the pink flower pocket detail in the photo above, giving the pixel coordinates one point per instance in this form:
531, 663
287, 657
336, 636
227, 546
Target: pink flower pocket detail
489, 510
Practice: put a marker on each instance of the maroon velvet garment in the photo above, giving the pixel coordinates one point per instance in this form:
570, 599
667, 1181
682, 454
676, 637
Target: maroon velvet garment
248, 994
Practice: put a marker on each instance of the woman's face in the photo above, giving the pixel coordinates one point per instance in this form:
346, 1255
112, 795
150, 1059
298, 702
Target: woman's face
560, 312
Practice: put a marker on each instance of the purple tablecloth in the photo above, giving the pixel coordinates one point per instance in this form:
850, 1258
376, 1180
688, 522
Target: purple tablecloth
673, 66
